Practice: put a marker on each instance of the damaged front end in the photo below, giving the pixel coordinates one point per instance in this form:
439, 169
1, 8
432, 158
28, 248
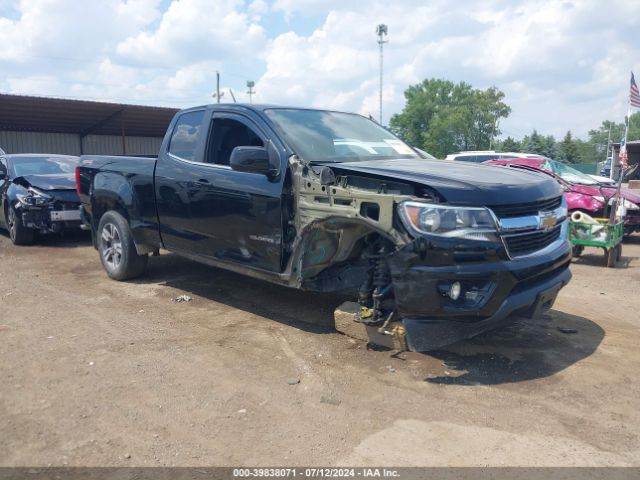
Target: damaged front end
46, 211
424, 274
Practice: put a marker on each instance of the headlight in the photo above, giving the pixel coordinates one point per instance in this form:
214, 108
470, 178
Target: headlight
447, 221
34, 198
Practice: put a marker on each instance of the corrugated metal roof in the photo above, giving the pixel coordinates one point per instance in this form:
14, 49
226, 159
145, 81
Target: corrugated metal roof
45, 114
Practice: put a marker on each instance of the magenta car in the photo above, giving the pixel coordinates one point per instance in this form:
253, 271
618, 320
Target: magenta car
581, 191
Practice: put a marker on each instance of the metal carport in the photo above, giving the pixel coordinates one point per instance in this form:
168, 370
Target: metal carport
30, 124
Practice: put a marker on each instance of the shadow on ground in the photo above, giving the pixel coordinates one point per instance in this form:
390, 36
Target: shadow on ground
525, 350
309, 311
71, 239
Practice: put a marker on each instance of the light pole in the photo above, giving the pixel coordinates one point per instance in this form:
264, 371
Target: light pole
250, 85
381, 31
218, 95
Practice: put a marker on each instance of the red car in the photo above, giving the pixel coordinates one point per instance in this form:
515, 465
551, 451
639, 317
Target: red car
581, 191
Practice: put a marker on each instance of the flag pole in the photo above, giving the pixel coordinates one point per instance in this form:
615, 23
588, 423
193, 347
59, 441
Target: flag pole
614, 210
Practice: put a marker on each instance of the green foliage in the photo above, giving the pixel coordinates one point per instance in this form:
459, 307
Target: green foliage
568, 149
442, 117
509, 144
539, 144
574, 150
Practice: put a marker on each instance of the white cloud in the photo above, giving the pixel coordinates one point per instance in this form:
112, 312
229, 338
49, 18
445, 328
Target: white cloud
76, 29
196, 30
563, 64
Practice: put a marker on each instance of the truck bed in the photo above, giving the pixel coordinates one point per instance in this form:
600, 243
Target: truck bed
99, 176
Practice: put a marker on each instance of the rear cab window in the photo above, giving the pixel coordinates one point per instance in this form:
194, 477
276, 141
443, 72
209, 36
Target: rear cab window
186, 135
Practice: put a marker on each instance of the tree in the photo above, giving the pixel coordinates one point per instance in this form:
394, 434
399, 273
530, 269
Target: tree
509, 144
540, 145
598, 140
595, 149
569, 149
442, 117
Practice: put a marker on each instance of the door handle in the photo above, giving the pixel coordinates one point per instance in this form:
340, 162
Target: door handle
203, 180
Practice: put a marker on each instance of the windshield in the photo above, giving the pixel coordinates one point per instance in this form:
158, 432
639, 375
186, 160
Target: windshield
24, 166
567, 173
322, 136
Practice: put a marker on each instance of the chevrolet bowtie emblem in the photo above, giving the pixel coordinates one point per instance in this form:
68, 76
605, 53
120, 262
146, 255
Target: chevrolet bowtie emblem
547, 220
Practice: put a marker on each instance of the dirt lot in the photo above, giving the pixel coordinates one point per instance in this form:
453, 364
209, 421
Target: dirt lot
95, 372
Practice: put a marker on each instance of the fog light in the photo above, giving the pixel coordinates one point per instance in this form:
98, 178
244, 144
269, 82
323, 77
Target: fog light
454, 291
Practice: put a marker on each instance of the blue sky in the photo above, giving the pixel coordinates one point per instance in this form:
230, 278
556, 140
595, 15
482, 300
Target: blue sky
563, 64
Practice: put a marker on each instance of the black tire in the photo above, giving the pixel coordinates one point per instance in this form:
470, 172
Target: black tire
117, 250
577, 250
19, 234
614, 255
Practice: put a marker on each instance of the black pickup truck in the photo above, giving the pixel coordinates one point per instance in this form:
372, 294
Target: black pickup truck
329, 201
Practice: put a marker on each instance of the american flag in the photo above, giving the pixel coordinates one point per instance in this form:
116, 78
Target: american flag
634, 93
624, 158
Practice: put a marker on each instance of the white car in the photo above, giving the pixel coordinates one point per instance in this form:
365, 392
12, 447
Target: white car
604, 180
479, 156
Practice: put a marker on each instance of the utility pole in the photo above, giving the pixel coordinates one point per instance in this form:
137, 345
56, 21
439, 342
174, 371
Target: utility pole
493, 132
606, 154
381, 31
250, 92
218, 94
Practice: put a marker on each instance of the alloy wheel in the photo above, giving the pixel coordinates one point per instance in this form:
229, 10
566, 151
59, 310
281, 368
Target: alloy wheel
12, 223
111, 246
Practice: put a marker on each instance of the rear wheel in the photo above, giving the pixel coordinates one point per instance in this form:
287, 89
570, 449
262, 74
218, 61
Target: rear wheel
614, 255
117, 250
20, 235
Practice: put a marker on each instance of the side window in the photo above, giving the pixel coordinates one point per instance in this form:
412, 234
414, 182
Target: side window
3, 166
227, 134
186, 134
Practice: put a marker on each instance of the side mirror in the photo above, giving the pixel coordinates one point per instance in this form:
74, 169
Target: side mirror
252, 160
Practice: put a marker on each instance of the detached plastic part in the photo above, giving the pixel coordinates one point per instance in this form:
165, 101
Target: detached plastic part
346, 320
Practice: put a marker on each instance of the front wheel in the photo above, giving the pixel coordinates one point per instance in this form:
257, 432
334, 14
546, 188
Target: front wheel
117, 250
20, 235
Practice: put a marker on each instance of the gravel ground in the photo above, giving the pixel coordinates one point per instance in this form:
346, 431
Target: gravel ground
95, 372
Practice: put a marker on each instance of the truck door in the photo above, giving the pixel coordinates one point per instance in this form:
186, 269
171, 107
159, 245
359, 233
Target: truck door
233, 216
176, 175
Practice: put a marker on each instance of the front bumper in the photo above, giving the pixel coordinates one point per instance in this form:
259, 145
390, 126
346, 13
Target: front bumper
424, 335
493, 290
48, 219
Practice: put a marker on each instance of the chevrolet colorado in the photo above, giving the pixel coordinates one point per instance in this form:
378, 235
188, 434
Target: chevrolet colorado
330, 201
